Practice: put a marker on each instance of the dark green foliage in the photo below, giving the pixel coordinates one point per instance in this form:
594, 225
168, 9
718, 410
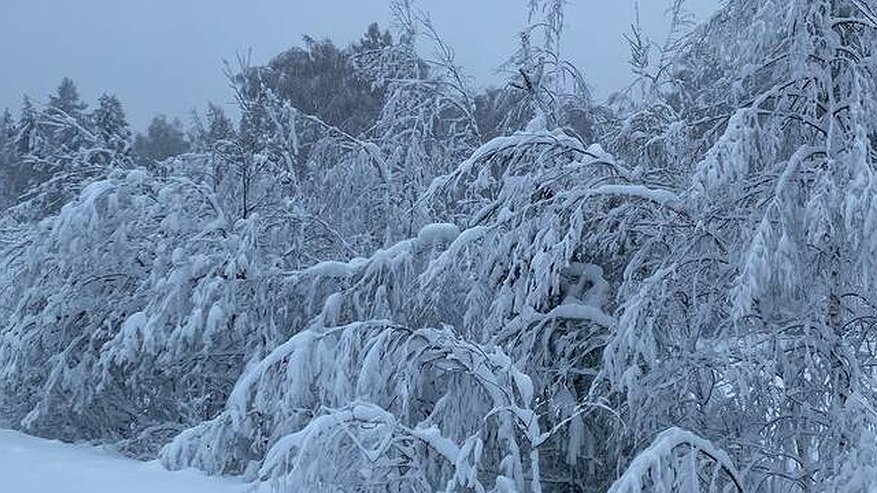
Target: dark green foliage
110, 123
66, 99
164, 138
319, 79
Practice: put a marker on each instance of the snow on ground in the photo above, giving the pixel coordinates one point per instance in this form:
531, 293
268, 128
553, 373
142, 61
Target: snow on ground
35, 465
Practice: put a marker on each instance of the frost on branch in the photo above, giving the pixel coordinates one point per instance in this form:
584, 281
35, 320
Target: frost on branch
551, 225
405, 303
677, 461
767, 289
373, 404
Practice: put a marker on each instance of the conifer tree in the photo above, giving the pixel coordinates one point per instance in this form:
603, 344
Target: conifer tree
111, 125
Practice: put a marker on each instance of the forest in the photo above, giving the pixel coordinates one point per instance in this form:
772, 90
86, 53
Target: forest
372, 277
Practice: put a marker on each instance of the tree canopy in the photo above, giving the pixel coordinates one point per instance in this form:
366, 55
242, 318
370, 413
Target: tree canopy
381, 279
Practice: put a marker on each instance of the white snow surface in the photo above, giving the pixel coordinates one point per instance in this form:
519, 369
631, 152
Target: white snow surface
34, 465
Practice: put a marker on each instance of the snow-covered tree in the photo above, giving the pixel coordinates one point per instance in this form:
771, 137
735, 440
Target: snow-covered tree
375, 406
71, 282
164, 139
440, 290
8, 159
111, 125
217, 128
754, 326
61, 149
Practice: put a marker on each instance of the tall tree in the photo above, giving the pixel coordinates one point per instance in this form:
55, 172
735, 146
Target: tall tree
373, 39
66, 99
757, 318
7, 158
27, 138
319, 79
7, 126
163, 139
62, 150
217, 128
111, 126
64, 119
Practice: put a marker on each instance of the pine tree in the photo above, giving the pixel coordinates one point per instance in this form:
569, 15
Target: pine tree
64, 121
7, 126
62, 150
27, 138
7, 159
66, 100
373, 39
110, 124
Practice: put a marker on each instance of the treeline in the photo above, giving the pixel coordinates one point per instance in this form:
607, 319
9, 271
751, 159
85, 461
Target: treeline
334, 85
381, 280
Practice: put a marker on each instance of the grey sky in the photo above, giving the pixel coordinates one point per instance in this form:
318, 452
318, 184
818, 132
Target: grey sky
164, 56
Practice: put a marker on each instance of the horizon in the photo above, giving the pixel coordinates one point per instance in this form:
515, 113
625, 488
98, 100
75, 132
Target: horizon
171, 65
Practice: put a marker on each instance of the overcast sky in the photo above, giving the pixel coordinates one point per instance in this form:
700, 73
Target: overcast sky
165, 56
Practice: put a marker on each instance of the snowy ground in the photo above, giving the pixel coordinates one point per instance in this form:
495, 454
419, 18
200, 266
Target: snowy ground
33, 465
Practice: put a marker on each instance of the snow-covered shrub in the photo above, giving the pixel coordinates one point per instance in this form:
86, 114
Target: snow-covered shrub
74, 280
376, 405
151, 296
